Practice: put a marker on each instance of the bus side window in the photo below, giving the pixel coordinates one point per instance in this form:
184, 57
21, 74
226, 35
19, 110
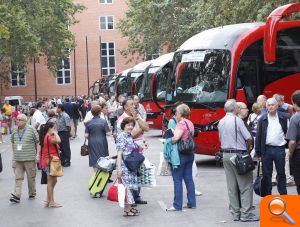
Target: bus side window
247, 78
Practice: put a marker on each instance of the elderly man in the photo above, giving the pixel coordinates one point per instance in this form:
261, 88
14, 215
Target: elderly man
24, 140
270, 145
64, 128
235, 138
293, 135
283, 106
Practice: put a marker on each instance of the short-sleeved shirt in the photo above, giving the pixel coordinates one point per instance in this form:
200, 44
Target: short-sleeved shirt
63, 122
231, 138
38, 118
27, 141
293, 132
186, 126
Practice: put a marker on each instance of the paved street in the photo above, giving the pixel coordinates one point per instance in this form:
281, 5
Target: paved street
79, 209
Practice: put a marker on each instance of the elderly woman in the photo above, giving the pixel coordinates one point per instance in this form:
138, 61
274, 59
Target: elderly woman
184, 171
95, 132
125, 145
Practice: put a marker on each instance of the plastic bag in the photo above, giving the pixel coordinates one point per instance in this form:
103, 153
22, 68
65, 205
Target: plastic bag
164, 168
194, 171
121, 194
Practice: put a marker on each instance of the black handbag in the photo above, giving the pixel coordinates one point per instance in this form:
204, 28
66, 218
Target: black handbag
187, 146
134, 160
244, 163
259, 185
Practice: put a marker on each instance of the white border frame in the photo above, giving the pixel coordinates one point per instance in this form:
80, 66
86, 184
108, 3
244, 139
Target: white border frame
108, 57
64, 84
106, 23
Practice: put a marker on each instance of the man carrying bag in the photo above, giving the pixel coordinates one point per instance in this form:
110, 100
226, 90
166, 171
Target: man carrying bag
236, 139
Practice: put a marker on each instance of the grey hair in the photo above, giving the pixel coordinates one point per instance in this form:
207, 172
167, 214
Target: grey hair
23, 116
230, 105
184, 110
272, 100
278, 97
240, 105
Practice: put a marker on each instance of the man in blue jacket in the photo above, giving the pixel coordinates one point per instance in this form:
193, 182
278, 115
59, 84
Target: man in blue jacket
270, 145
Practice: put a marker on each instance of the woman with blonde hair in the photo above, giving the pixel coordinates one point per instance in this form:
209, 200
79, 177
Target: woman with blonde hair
184, 172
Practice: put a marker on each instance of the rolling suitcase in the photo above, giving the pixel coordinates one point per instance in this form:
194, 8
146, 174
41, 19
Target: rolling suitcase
98, 182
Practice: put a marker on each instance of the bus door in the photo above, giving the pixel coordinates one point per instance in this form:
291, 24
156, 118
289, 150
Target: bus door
248, 80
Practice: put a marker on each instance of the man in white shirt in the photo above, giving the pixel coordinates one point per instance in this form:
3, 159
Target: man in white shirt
270, 145
38, 118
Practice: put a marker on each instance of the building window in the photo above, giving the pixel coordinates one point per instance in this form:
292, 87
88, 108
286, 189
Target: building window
105, 1
106, 22
108, 58
18, 77
63, 75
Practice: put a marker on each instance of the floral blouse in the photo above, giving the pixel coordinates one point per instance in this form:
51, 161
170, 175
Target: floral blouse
125, 144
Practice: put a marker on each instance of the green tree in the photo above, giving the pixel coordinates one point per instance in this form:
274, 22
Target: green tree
34, 30
152, 24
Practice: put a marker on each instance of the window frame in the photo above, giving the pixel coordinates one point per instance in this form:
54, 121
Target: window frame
106, 22
64, 70
107, 56
105, 2
18, 78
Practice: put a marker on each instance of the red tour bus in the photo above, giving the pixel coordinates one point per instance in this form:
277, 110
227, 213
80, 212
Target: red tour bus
239, 61
160, 68
120, 83
135, 77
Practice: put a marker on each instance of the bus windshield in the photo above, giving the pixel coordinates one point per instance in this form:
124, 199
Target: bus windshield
145, 89
201, 77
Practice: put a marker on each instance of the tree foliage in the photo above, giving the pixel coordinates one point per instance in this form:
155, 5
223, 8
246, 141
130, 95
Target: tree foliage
35, 29
151, 25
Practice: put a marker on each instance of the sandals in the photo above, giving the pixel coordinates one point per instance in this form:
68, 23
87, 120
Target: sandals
129, 214
133, 210
54, 205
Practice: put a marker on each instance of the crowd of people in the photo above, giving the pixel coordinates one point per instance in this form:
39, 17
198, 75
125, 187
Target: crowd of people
47, 130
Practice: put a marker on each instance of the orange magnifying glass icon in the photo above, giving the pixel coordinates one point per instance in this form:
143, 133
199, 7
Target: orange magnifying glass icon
277, 207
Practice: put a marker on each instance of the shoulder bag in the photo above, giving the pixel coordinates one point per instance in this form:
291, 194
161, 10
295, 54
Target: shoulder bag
243, 162
134, 160
84, 151
186, 146
55, 166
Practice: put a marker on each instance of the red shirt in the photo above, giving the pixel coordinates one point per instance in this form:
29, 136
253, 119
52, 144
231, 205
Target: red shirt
53, 149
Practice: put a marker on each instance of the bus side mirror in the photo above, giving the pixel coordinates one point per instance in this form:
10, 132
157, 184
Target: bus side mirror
241, 95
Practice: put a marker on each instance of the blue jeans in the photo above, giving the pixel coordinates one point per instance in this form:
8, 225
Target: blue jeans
184, 172
276, 154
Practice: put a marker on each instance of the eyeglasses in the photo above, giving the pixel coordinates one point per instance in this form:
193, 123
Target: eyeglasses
20, 120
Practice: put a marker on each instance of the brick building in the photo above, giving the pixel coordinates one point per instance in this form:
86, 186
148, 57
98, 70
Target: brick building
97, 25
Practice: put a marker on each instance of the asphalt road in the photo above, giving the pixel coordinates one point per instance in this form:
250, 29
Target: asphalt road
79, 209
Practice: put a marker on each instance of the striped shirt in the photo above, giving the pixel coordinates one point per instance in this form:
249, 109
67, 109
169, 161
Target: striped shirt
24, 144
